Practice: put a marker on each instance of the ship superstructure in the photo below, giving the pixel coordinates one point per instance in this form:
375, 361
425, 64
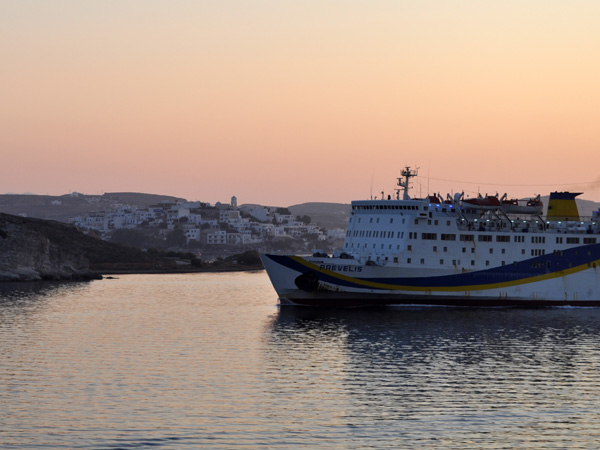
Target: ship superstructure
489, 250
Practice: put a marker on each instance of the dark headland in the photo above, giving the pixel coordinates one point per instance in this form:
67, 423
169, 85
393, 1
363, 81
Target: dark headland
37, 249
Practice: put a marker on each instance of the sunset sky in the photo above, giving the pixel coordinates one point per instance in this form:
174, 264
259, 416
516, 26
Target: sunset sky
282, 102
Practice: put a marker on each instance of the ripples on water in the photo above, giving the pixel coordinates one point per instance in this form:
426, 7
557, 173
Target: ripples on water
210, 361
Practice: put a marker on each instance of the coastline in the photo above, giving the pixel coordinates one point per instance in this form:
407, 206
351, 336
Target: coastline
175, 272
107, 274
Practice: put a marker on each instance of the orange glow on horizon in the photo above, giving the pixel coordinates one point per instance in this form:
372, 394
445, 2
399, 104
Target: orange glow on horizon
282, 103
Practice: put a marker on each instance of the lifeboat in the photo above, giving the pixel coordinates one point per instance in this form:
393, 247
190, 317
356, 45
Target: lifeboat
523, 206
487, 202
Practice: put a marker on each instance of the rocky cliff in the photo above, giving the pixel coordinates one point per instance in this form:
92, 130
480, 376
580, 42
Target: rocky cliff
33, 249
37, 249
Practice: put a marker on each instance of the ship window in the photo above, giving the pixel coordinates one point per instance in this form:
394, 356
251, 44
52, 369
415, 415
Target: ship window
445, 249
409, 248
435, 222
453, 262
572, 240
429, 236
523, 252
407, 260
467, 237
487, 263
472, 262
502, 238
448, 237
491, 250
395, 259
503, 251
447, 223
472, 250
378, 220
392, 220
485, 238
371, 221
441, 261
398, 247
435, 248
464, 250
422, 261
503, 262
589, 240
559, 240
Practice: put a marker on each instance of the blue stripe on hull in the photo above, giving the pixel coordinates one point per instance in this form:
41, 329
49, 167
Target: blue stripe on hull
549, 265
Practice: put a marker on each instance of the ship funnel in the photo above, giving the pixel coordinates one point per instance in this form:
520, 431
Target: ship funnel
562, 206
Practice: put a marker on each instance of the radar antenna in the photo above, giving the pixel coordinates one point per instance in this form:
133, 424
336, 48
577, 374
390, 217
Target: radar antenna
404, 184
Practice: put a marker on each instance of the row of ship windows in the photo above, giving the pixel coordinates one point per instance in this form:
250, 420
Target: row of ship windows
456, 262
429, 222
467, 237
404, 207
534, 252
377, 220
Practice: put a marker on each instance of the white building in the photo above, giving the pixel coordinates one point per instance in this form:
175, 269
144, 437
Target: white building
261, 214
216, 238
336, 233
284, 218
192, 234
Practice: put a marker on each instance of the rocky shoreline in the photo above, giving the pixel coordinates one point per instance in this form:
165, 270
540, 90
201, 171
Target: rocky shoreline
36, 249
31, 250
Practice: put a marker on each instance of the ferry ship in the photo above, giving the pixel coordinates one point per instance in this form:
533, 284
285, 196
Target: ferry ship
485, 251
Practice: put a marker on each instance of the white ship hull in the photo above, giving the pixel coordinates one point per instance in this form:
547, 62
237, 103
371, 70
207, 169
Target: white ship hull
339, 282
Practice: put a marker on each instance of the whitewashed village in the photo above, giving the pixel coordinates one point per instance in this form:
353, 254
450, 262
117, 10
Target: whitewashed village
206, 229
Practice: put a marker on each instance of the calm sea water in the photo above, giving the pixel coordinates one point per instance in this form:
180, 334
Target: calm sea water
211, 361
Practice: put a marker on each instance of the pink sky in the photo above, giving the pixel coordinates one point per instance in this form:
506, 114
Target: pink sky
282, 102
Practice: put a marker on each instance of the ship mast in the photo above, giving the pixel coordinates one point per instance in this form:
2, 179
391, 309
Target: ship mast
405, 183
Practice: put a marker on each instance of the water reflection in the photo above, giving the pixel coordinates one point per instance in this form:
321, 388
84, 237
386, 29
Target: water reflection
462, 335
20, 295
450, 375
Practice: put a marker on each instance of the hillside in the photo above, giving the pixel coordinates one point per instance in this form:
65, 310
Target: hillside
37, 249
328, 215
66, 206
34, 249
